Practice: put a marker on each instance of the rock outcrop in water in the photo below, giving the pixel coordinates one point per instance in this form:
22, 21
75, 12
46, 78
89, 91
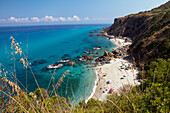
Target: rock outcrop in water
86, 58
39, 61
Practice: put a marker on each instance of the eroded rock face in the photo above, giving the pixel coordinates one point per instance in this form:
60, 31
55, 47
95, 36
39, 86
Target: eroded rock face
149, 31
129, 25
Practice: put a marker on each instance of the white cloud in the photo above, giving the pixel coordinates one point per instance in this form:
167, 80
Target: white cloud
76, 18
70, 19
62, 19
12, 19
52, 19
86, 18
18, 20
2, 20
35, 19
49, 19
43, 19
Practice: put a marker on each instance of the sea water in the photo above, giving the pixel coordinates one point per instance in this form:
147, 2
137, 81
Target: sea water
51, 44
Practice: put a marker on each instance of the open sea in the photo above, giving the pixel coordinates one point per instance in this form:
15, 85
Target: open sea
48, 45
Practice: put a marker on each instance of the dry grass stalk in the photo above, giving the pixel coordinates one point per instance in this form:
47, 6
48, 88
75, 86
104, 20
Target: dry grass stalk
14, 86
61, 79
16, 45
7, 86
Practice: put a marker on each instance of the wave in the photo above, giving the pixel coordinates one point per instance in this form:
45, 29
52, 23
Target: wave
94, 88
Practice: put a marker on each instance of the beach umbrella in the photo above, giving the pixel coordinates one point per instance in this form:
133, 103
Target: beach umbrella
124, 75
111, 90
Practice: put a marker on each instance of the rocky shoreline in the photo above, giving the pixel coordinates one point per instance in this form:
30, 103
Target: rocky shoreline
112, 68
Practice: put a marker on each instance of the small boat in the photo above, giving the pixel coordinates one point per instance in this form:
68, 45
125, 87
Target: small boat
65, 60
82, 59
55, 66
98, 48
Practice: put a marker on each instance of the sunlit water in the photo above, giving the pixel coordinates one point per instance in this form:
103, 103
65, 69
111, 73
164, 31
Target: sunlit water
51, 44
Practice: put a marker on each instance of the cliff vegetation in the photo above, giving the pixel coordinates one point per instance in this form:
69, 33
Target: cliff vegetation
150, 32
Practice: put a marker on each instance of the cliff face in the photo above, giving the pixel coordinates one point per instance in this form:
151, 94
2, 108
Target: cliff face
150, 32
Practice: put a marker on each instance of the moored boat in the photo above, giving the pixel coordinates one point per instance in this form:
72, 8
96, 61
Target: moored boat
55, 66
65, 60
98, 48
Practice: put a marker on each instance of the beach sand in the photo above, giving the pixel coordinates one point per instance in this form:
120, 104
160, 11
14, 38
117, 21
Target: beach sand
115, 74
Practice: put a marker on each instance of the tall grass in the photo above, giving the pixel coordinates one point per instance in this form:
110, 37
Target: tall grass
15, 99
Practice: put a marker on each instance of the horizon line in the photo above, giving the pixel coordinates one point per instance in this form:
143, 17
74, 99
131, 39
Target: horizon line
55, 24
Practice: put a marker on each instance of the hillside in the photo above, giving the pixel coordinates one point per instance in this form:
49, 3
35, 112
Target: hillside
149, 31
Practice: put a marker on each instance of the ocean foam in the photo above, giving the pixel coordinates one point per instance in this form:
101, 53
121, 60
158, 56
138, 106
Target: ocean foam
94, 88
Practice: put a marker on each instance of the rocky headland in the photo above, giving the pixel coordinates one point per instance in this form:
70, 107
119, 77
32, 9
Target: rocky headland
149, 31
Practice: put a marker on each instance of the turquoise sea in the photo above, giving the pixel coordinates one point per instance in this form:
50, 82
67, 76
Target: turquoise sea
51, 44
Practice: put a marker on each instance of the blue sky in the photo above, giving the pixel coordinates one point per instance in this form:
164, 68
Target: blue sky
37, 12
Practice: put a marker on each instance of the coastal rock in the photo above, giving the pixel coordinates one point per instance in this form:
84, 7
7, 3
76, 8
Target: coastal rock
105, 53
91, 35
97, 60
39, 61
115, 52
98, 34
91, 32
65, 56
86, 58
115, 56
88, 51
110, 54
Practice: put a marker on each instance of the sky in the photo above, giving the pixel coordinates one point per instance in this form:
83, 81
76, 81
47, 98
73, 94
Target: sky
52, 12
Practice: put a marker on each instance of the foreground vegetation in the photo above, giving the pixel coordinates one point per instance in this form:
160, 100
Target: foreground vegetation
152, 95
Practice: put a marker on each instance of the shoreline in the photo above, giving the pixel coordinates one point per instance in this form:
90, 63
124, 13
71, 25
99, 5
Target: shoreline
117, 77
94, 88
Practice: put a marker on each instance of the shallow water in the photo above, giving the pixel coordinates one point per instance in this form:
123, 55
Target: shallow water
51, 44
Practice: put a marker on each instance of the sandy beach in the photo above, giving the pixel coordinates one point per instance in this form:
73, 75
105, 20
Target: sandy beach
114, 75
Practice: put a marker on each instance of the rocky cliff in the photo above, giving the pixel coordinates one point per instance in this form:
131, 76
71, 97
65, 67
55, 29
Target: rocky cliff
150, 32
